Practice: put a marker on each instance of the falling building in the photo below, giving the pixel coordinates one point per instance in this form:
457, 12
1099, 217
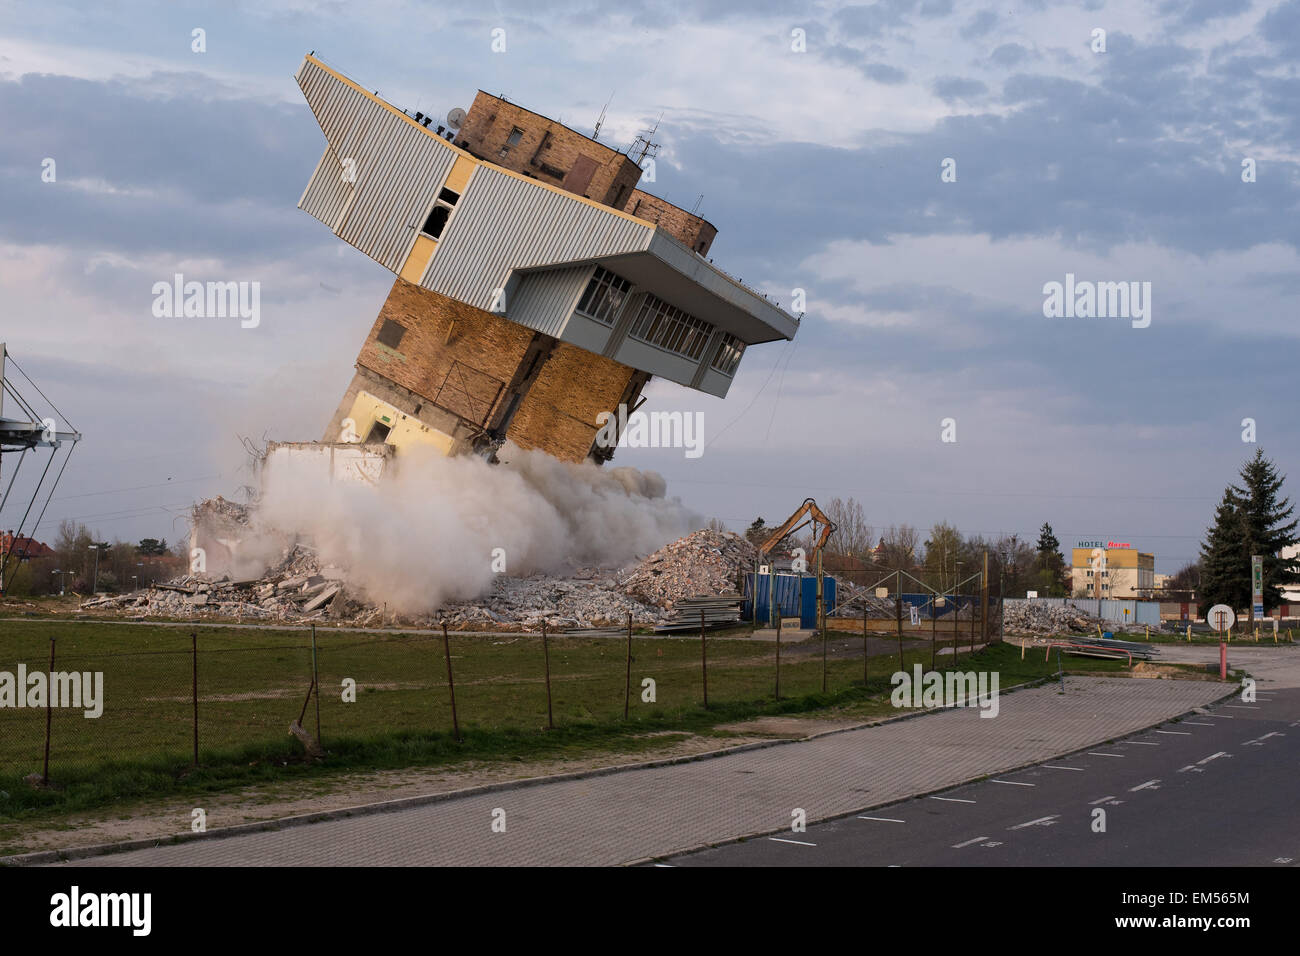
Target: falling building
536, 285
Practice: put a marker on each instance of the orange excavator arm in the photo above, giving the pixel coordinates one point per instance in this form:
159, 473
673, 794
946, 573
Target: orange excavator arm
815, 517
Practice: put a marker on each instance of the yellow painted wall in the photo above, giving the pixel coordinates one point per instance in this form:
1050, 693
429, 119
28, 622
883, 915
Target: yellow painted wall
419, 258
405, 430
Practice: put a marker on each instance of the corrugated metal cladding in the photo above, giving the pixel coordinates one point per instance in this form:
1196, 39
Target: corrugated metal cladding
399, 167
327, 193
545, 300
504, 223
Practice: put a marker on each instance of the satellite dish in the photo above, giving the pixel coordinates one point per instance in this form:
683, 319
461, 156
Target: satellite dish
455, 118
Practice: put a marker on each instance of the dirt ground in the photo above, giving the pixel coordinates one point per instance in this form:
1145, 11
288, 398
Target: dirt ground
161, 819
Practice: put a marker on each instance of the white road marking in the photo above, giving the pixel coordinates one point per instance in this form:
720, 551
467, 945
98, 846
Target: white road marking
1143, 786
1033, 823
1180, 733
666, 866
1093, 753
1242, 706
1143, 743
1223, 716
795, 842
1014, 783
1048, 766
1193, 723
1102, 800
882, 819
958, 846
1221, 753
952, 799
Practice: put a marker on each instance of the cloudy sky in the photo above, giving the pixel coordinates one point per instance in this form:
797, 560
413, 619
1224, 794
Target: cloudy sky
821, 168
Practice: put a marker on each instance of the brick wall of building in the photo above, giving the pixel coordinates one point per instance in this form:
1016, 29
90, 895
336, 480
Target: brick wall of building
558, 414
692, 231
548, 151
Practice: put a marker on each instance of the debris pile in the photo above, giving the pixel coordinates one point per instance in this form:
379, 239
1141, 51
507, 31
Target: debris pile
300, 588
1033, 617
702, 563
296, 589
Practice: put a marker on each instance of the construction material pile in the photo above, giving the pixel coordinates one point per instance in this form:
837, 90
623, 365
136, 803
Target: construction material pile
702, 563
1032, 617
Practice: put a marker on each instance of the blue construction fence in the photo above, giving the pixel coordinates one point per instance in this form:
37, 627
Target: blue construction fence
795, 595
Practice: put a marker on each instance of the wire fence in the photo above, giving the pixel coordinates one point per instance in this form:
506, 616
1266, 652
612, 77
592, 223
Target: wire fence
165, 697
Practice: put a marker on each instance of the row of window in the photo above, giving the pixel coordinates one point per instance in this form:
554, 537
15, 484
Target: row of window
658, 323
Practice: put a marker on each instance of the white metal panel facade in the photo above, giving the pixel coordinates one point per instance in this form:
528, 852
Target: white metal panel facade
545, 300
398, 166
504, 223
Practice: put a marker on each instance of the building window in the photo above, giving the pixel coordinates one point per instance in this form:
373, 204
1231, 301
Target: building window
669, 328
727, 356
516, 134
439, 214
390, 334
603, 299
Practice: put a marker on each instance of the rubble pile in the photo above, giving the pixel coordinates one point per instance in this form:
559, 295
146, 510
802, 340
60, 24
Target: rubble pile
702, 563
590, 597
297, 589
300, 588
1032, 617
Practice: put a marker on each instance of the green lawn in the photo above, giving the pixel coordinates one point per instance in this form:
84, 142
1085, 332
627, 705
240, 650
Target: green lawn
251, 684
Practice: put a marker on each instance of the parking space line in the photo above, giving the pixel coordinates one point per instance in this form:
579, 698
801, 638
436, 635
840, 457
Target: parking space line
1221, 753
1014, 783
883, 819
1179, 733
1143, 786
1093, 753
1102, 800
795, 842
1033, 823
1048, 766
958, 846
952, 799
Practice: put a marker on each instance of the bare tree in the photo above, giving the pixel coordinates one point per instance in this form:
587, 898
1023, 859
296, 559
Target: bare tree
852, 533
900, 546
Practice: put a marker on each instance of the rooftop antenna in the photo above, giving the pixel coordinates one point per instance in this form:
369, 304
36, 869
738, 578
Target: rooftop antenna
696, 207
601, 121
645, 141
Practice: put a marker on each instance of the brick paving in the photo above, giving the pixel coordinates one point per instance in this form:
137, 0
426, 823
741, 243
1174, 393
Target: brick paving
635, 814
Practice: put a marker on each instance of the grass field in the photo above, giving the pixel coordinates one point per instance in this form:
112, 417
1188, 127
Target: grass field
251, 684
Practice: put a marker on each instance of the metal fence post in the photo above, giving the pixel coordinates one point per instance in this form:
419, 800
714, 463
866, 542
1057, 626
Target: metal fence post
627, 684
49, 717
546, 656
315, 680
194, 690
778, 658
704, 660
864, 641
451, 684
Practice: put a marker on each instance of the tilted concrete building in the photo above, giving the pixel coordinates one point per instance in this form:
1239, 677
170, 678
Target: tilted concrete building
536, 285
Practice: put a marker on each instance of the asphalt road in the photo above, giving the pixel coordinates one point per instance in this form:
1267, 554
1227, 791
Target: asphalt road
1218, 789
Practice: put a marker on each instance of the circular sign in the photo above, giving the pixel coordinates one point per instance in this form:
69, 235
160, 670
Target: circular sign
1220, 617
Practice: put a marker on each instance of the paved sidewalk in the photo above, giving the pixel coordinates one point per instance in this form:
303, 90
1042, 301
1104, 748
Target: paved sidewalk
635, 814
